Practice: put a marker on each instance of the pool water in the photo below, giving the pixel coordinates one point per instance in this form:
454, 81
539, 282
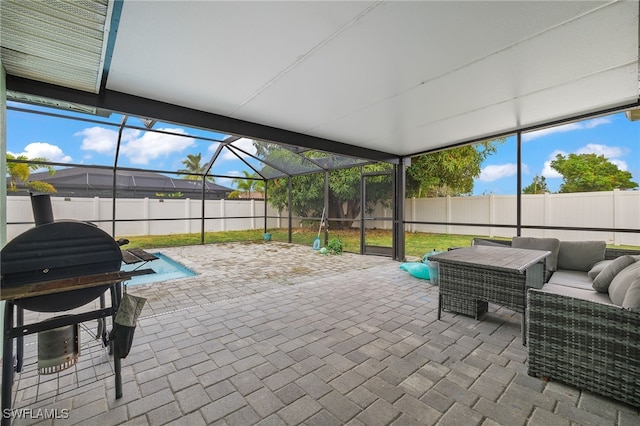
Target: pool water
165, 268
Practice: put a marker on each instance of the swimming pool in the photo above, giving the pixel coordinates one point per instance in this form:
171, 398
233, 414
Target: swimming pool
165, 268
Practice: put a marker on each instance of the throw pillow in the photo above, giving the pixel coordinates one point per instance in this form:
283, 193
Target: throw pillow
621, 283
580, 255
604, 278
632, 298
598, 267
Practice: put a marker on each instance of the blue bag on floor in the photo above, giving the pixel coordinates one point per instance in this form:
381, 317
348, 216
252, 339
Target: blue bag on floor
417, 269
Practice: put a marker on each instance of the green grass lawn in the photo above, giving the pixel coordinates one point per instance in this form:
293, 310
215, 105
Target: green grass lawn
416, 244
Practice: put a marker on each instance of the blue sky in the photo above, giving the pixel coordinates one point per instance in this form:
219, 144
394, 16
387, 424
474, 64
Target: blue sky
72, 141
614, 136
80, 142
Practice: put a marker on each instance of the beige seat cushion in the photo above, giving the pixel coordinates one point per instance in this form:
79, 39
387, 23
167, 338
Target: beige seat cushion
545, 244
575, 279
580, 255
590, 295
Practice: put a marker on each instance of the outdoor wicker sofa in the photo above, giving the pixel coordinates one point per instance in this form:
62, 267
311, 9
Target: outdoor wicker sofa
579, 336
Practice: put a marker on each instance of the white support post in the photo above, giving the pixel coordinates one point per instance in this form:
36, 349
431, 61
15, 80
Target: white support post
546, 207
96, 209
448, 211
222, 216
253, 214
147, 227
279, 219
617, 211
413, 213
187, 214
492, 214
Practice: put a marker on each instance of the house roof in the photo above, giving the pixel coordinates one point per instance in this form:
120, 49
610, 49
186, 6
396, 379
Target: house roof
99, 179
372, 79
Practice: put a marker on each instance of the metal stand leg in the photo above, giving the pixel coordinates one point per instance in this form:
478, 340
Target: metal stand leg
103, 335
7, 364
19, 339
523, 327
115, 303
439, 305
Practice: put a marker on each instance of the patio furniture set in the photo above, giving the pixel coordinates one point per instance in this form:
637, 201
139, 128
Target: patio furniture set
579, 300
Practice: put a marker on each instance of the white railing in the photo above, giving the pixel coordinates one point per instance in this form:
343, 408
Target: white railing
613, 209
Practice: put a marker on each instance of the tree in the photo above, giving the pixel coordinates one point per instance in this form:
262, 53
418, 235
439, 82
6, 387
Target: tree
192, 165
537, 186
344, 193
590, 173
308, 189
20, 172
250, 183
448, 172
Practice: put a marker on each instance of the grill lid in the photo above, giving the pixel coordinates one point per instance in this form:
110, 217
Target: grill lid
56, 250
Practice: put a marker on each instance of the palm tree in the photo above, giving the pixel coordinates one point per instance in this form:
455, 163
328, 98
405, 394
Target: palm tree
20, 172
192, 164
537, 186
248, 184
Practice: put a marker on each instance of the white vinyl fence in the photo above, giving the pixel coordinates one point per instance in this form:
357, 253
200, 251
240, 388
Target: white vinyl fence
608, 209
613, 209
147, 216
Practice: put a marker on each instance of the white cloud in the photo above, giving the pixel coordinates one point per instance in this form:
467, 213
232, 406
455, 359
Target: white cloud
595, 122
495, 172
138, 147
152, 145
549, 172
98, 139
589, 124
622, 165
598, 149
245, 144
45, 150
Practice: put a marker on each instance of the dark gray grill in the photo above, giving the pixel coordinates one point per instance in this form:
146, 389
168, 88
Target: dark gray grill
54, 267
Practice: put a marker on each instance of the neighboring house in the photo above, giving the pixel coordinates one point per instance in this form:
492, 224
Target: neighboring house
90, 182
252, 195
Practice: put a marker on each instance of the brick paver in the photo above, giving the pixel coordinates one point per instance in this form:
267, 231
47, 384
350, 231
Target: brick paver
277, 334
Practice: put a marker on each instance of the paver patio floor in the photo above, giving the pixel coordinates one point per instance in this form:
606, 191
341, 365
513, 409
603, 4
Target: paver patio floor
277, 334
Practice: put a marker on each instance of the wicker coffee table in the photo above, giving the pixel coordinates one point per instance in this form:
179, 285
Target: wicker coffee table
473, 277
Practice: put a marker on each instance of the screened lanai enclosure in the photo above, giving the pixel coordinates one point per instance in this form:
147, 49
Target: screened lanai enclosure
139, 176
398, 126
320, 107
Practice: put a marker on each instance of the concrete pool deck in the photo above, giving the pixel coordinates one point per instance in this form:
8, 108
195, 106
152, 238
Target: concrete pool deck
277, 334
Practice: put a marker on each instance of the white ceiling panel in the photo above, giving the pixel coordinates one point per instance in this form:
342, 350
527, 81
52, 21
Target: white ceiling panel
217, 54
402, 77
366, 96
